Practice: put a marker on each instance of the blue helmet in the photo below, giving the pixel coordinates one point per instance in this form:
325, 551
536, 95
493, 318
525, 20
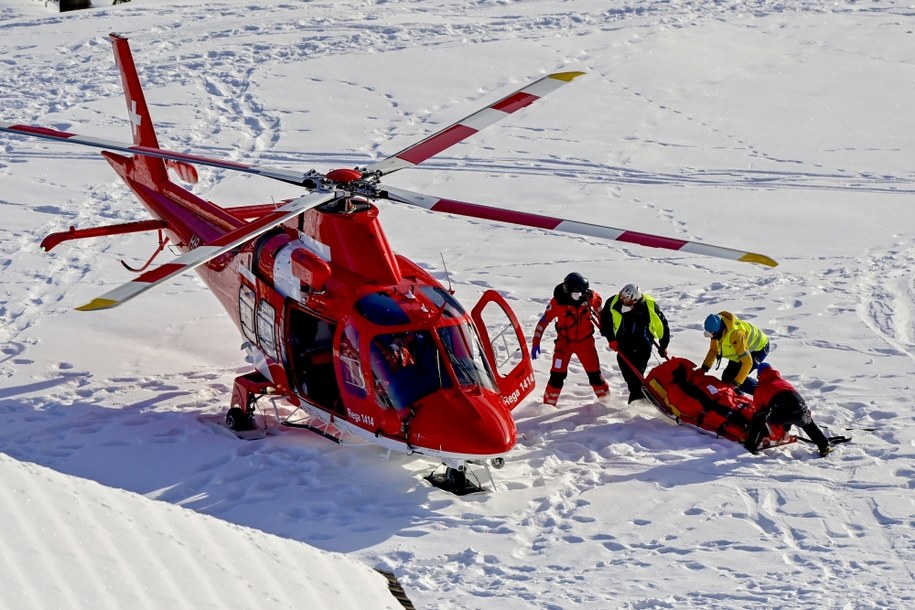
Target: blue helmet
714, 324
762, 367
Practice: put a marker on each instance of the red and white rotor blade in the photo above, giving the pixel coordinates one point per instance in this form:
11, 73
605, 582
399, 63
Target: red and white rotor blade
451, 206
292, 177
204, 254
466, 127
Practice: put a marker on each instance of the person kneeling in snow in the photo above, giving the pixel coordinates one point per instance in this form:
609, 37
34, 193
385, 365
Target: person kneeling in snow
779, 403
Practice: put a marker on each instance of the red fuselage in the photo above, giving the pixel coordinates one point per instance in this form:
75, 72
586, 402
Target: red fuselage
335, 320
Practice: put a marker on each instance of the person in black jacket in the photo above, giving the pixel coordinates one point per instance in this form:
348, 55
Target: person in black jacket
632, 322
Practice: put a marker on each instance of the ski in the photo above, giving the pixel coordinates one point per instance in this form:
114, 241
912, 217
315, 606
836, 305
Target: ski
833, 440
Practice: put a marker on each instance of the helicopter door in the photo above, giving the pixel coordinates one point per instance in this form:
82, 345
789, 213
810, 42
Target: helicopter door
505, 347
311, 357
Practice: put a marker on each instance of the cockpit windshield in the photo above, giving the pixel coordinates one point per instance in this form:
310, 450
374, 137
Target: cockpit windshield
406, 366
465, 352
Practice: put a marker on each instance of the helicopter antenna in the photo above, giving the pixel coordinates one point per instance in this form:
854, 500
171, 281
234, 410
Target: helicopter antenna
447, 275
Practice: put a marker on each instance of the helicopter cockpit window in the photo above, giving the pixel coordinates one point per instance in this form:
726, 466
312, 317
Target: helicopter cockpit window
380, 308
465, 352
442, 300
406, 367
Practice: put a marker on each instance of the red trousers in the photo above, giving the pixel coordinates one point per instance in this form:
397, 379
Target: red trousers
585, 350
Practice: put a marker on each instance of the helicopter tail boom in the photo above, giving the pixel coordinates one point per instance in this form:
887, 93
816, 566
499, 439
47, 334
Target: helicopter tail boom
207, 252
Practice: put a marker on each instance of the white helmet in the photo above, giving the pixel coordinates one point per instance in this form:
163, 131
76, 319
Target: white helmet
631, 292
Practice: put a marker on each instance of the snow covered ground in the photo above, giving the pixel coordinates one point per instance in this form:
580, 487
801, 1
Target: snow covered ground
784, 128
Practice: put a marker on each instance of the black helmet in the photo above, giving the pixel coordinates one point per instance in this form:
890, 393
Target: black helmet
575, 282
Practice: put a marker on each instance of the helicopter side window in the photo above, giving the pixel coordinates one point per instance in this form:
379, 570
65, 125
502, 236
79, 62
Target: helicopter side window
465, 352
246, 300
266, 329
406, 367
350, 363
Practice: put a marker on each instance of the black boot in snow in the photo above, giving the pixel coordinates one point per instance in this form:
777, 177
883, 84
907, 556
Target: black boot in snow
817, 436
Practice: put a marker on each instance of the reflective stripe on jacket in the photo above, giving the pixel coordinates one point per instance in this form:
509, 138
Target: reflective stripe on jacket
738, 341
655, 325
740, 338
573, 322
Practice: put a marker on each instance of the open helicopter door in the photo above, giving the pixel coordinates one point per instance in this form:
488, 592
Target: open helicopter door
505, 347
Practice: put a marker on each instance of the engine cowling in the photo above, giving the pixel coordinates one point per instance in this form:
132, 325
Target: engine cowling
290, 266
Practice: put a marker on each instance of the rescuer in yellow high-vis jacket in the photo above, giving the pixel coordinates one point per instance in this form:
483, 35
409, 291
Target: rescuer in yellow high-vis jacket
742, 344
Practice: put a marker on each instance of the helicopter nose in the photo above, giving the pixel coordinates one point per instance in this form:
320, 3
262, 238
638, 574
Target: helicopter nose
466, 425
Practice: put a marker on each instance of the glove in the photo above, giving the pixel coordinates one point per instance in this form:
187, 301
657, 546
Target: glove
737, 389
704, 368
662, 352
535, 351
614, 346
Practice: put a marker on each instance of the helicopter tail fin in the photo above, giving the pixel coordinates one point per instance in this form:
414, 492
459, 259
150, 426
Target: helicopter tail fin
144, 133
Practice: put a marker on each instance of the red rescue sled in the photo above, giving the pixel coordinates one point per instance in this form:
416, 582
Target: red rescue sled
689, 396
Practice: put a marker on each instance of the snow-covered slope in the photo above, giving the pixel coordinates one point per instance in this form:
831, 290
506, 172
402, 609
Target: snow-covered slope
72, 543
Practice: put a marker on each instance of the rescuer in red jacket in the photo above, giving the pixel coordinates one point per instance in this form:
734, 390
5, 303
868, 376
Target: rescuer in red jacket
574, 307
779, 403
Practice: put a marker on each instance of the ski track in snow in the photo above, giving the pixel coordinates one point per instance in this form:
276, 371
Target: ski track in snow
599, 502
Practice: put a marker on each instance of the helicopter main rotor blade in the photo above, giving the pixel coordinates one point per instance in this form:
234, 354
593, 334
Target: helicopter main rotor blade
292, 177
473, 210
466, 127
205, 253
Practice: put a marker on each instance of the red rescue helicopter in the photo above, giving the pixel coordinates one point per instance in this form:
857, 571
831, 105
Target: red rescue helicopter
357, 338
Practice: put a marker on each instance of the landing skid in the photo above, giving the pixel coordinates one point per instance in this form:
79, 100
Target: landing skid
317, 430
454, 480
461, 480
300, 419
